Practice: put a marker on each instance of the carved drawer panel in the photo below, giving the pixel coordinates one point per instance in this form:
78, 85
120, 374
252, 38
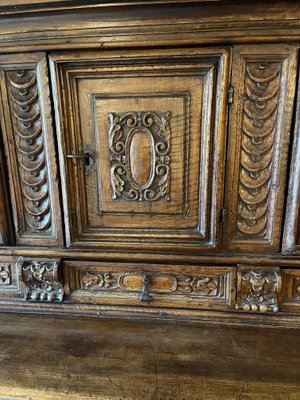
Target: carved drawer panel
141, 284
259, 129
290, 295
29, 147
9, 278
142, 145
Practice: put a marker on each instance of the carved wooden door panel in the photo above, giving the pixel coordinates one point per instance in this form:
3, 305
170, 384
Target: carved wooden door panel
29, 147
141, 138
263, 78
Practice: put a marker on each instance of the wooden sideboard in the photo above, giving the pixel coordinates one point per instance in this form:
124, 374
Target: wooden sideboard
150, 159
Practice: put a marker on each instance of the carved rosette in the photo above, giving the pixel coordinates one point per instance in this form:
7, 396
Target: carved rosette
5, 275
258, 289
142, 136
27, 124
41, 280
261, 97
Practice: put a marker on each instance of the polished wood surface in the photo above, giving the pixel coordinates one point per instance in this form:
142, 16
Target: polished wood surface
101, 100
264, 79
147, 168
47, 358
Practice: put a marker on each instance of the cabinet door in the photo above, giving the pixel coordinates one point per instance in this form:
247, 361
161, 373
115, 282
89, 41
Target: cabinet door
29, 147
263, 77
141, 138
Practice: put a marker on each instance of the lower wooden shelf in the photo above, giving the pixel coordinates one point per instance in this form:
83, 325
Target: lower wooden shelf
51, 358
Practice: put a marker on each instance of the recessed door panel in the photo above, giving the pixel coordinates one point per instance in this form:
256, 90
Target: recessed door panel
141, 137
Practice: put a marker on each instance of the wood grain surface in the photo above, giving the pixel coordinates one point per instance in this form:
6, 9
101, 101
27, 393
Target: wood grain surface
45, 358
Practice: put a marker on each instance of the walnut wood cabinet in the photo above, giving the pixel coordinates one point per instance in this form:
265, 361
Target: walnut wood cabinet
149, 165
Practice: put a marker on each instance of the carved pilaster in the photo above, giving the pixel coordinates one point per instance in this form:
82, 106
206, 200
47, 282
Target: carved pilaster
260, 118
258, 289
26, 125
41, 280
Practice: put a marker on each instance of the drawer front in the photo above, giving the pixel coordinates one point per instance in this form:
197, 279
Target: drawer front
144, 285
152, 127
290, 295
9, 278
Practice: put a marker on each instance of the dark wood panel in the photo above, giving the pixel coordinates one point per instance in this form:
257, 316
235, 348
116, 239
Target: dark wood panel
30, 152
264, 79
9, 278
148, 25
290, 294
152, 125
6, 235
47, 358
291, 235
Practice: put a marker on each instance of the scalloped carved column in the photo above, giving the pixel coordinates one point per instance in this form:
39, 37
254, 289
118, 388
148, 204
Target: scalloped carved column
260, 120
29, 145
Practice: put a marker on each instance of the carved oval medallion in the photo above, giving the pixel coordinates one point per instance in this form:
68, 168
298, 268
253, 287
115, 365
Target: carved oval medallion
141, 157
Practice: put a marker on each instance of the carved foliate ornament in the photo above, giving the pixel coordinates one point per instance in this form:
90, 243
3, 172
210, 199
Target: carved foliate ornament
5, 274
258, 289
139, 144
41, 280
203, 286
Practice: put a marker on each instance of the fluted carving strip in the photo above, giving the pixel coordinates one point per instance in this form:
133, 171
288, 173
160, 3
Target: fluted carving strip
262, 91
25, 109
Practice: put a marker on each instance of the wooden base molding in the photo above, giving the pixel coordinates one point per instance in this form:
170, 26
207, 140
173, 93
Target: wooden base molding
197, 292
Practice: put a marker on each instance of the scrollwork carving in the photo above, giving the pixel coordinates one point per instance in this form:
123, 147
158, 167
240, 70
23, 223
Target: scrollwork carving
262, 88
202, 285
154, 128
41, 280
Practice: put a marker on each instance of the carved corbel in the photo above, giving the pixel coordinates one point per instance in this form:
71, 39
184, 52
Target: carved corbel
41, 279
258, 289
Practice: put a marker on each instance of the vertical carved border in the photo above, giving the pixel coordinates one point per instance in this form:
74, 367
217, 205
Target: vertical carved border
260, 121
29, 142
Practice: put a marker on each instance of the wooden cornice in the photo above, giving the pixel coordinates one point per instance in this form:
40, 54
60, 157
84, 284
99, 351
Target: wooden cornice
26, 26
